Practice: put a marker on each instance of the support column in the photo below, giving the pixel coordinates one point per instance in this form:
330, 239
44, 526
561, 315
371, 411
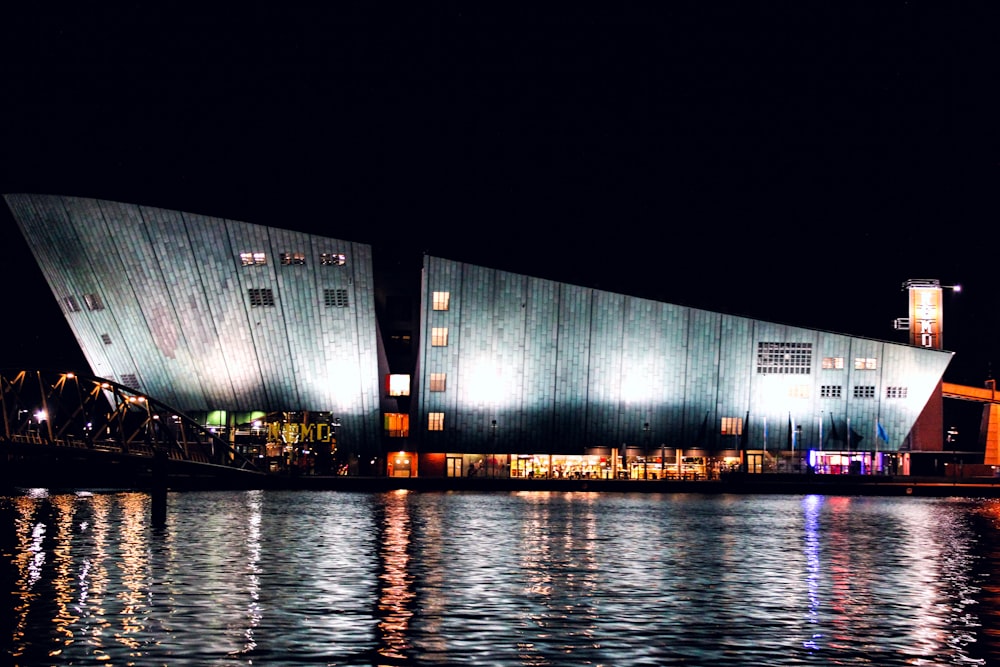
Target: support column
989, 431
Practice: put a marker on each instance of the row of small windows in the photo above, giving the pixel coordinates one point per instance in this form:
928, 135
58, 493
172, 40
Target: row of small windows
860, 363
263, 297
92, 301
783, 358
290, 258
861, 391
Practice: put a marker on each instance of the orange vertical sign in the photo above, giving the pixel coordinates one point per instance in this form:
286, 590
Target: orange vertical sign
926, 317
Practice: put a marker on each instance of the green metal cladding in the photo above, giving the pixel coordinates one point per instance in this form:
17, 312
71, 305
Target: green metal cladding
176, 305
533, 365
161, 301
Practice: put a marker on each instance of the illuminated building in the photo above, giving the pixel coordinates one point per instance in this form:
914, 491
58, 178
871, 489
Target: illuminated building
503, 374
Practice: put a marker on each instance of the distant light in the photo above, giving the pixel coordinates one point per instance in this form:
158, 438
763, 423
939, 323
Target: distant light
41, 416
70, 375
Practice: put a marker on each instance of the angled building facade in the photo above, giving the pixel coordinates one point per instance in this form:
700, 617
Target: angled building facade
213, 315
510, 363
509, 374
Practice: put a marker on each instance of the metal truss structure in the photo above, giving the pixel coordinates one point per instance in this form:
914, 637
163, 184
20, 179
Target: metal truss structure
76, 412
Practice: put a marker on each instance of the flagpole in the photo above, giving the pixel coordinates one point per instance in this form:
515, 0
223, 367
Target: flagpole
765, 437
820, 431
850, 457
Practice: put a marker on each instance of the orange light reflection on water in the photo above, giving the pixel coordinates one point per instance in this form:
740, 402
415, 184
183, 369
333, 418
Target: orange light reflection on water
396, 583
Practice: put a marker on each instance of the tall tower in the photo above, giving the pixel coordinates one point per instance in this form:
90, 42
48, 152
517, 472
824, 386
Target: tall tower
926, 329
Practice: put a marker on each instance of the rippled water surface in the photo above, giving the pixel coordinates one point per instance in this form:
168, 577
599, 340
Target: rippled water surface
336, 578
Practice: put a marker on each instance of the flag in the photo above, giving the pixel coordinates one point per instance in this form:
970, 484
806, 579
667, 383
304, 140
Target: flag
833, 429
790, 440
883, 436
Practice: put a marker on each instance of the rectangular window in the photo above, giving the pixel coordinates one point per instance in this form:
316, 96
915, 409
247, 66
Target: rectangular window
288, 258
441, 300
397, 424
398, 385
784, 358
332, 259
833, 363
130, 380
106, 339
335, 298
252, 258
260, 297
830, 391
71, 304
895, 392
435, 421
438, 381
439, 336
93, 302
865, 364
732, 426
864, 391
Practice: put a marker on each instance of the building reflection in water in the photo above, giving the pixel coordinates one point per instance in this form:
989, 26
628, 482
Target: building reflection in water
253, 571
66, 546
560, 567
395, 590
520, 578
811, 506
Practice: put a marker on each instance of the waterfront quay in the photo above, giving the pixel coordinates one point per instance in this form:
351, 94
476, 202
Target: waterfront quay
734, 483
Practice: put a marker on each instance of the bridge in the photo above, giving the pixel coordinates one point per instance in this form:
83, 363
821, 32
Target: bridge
989, 429
71, 430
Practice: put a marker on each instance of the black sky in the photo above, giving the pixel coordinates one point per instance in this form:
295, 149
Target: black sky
788, 161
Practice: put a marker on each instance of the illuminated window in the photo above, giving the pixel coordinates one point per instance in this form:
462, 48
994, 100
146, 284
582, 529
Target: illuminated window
397, 424
784, 358
71, 304
438, 381
830, 391
732, 426
800, 391
260, 297
439, 336
435, 421
93, 302
253, 258
833, 363
335, 298
441, 300
332, 259
288, 258
895, 392
398, 385
864, 391
865, 364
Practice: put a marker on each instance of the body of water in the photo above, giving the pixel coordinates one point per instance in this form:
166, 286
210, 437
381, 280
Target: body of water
527, 578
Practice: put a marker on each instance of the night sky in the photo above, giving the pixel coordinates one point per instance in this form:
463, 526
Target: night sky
794, 162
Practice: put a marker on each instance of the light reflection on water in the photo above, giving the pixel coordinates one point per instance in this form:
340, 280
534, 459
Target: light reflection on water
528, 578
